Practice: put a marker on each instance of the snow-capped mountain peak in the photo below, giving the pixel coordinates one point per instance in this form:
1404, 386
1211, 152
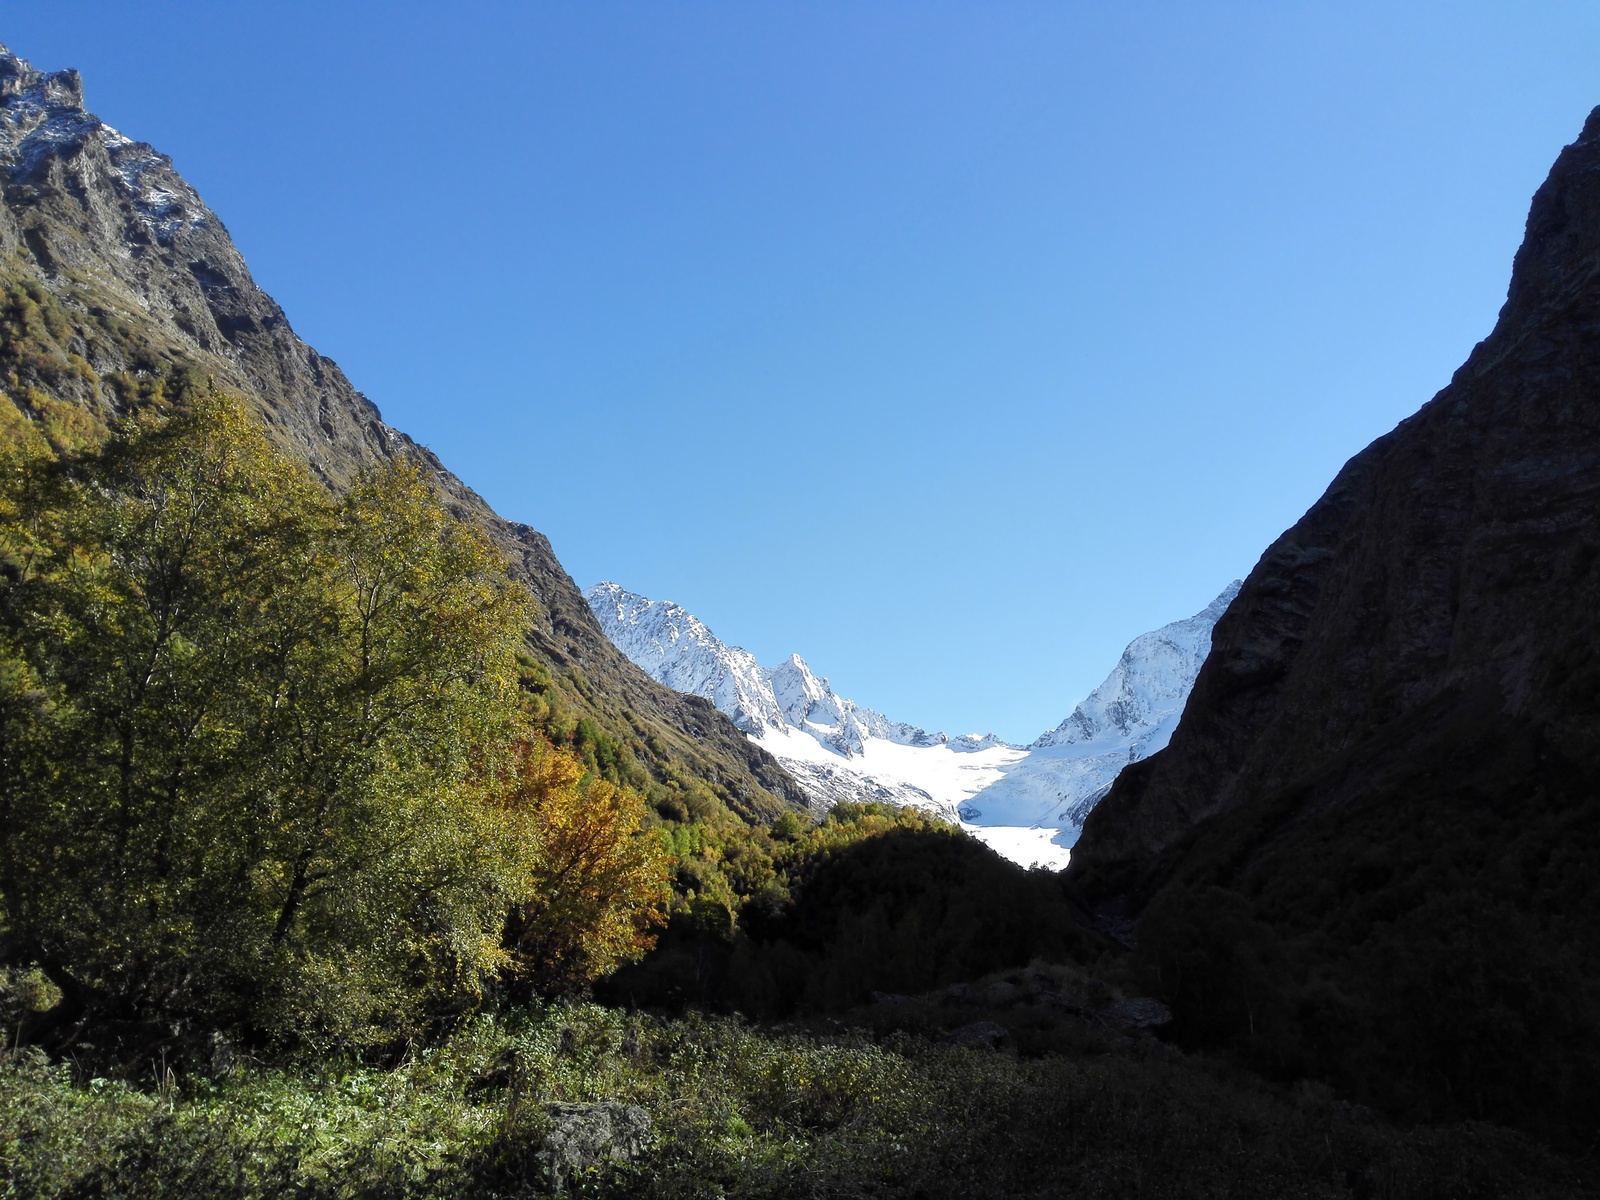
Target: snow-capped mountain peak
801, 696
1152, 677
675, 647
1014, 798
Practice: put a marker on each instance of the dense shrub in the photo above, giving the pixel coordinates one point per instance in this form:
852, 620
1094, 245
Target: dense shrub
872, 899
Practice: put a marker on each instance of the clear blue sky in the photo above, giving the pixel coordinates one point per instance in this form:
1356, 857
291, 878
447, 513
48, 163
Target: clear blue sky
949, 344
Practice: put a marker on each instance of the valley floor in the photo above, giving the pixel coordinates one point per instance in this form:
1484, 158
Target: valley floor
817, 1111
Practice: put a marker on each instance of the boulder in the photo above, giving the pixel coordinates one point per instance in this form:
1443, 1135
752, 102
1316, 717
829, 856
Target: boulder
1000, 993
1141, 1013
980, 1035
587, 1135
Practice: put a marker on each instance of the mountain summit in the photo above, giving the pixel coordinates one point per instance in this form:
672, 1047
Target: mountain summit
676, 648
1130, 716
124, 291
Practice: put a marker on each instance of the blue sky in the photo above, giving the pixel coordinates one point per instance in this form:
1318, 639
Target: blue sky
951, 345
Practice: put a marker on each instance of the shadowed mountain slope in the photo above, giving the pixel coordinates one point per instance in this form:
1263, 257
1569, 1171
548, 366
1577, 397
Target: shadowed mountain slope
1372, 847
123, 290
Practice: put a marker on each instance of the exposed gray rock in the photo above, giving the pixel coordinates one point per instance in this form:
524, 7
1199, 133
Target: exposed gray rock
582, 1136
980, 1035
1142, 1013
961, 993
1000, 993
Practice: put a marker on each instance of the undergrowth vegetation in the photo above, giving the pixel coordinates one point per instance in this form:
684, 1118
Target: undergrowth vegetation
736, 1112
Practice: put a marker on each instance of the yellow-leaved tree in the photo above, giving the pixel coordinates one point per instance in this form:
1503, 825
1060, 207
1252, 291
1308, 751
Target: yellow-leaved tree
597, 886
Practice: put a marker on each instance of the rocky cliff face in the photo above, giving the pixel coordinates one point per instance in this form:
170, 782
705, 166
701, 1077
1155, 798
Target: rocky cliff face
1372, 848
1449, 570
147, 283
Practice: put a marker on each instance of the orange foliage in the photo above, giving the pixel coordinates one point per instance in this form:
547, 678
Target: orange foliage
597, 887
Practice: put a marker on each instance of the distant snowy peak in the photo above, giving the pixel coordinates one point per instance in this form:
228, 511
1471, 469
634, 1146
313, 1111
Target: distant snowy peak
837, 750
1127, 718
675, 648
810, 704
1149, 684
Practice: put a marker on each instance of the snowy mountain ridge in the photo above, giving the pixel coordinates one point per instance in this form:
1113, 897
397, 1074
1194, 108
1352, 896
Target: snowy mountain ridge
675, 648
1027, 802
1154, 673
1128, 717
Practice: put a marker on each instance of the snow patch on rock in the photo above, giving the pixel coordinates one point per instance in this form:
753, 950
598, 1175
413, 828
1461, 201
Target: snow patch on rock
42, 116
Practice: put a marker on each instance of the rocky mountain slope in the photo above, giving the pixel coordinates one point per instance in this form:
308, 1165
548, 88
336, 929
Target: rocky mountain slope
840, 750
1384, 786
124, 290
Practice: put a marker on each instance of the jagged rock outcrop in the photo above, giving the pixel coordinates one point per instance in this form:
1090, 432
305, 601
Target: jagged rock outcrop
151, 284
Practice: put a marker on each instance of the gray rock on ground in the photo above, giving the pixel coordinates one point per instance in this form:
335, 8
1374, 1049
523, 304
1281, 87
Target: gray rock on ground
1139, 1013
588, 1135
980, 1035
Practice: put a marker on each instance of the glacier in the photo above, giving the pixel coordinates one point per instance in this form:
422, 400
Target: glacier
1028, 803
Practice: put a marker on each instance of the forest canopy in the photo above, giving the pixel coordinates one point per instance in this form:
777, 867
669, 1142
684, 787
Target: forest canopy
265, 764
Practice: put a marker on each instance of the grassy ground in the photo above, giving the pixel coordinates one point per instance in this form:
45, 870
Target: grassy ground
738, 1111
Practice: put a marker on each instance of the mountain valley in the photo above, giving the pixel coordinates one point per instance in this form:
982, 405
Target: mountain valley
348, 849
1027, 802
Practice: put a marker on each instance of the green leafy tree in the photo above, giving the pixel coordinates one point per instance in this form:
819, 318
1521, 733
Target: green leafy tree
243, 735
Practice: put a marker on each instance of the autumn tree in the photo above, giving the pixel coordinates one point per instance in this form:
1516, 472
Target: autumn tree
597, 887
243, 726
